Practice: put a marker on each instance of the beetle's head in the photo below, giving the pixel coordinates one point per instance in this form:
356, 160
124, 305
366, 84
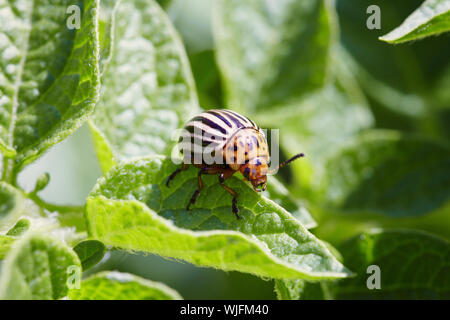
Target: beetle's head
255, 171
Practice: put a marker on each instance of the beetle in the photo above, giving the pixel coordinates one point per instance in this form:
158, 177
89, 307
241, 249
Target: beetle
231, 142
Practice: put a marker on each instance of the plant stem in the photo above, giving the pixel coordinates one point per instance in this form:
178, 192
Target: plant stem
8, 174
54, 207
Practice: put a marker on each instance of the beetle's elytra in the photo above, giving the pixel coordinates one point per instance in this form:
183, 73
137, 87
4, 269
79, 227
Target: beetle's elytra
234, 142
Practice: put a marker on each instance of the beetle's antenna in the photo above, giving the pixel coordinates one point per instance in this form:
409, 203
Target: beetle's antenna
285, 163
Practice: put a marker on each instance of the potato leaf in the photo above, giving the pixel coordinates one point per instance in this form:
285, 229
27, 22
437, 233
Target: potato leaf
401, 82
278, 193
36, 268
271, 53
90, 252
431, 18
413, 265
113, 285
131, 208
147, 87
48, 76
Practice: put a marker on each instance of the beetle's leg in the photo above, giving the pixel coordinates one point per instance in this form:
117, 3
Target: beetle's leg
200, 187
233, 193
177, 171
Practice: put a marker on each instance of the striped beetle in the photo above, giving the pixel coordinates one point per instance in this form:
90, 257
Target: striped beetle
234, 143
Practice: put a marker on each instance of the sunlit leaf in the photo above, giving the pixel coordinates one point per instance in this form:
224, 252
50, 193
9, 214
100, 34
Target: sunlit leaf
5, 245
147, 87
48, 76
113, 285
19, 228
133, 209
36, 268
400, 81
431, 18
11, 202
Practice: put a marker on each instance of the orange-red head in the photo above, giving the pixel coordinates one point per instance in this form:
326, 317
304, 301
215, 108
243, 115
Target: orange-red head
256, 171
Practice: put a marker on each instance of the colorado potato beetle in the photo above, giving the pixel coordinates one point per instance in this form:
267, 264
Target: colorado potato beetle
223, 142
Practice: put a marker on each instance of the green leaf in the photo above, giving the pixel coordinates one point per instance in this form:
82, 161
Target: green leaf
131, 208
298, 289
90, 252
5, 245
207, 79
103, 148
388, 173
42, 182
271, 54
36, 268
399, 81
413, 265
301, 290
48, 76
431, 18
147, 86
278, 193
106, 22
112, 285
19, 228
407, 69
